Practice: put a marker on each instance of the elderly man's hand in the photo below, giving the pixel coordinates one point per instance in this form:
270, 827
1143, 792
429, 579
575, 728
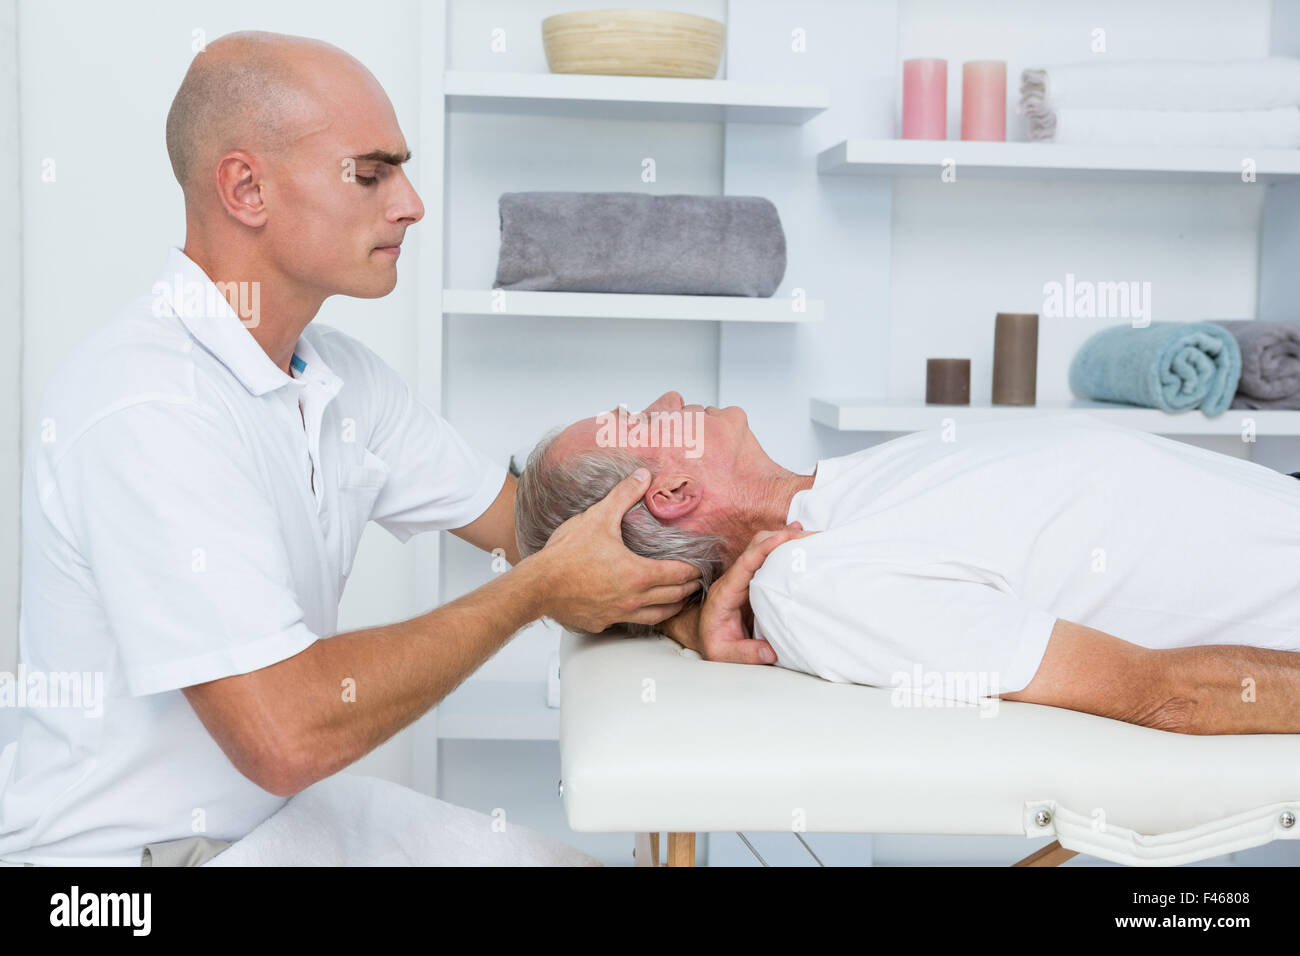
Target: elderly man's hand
594, 581
725, 620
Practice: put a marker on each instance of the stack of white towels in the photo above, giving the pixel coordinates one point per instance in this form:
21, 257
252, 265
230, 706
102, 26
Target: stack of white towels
1234, 103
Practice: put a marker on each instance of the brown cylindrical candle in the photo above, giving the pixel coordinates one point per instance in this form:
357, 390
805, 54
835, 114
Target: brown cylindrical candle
947, 381
1015, 358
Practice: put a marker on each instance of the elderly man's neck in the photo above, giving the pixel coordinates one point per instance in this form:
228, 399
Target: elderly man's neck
763, 505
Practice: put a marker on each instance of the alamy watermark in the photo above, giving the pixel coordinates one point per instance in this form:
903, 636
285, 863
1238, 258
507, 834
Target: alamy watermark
188, 297
1086, 299
922, 688
60, 690
655, 429
129, 910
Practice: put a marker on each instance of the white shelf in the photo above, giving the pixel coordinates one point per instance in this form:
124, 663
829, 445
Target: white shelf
980, 160
498, 710
876, 415
632, 97
607, 305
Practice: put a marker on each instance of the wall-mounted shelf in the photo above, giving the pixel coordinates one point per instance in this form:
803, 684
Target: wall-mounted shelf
608, 305
498, 710
1057, 162
632, 97
877, 415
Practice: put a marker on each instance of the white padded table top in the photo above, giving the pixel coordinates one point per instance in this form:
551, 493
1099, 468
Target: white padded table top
652, 738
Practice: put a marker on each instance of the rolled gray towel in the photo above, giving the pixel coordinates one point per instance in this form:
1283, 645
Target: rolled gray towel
1270, 363
630, 242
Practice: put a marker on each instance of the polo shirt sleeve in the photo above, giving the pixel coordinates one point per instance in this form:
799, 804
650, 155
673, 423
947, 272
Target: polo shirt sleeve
436, 480
163, 502
862, 622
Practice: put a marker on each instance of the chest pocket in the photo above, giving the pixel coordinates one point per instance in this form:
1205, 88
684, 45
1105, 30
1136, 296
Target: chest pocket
360, 482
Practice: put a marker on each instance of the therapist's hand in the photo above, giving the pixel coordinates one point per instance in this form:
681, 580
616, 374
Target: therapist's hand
725, 619
593, 581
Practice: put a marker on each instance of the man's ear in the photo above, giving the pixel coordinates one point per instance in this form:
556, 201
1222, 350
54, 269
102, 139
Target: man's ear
239, 191
672, 497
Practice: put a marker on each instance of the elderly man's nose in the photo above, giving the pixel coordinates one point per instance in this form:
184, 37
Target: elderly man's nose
668, 401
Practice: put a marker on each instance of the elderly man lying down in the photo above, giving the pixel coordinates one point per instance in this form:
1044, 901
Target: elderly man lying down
1061, 560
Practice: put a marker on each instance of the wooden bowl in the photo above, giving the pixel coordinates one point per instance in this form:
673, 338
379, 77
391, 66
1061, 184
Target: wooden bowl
633, 43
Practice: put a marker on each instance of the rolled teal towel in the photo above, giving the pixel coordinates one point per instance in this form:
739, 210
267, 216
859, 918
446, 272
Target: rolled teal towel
1176, 366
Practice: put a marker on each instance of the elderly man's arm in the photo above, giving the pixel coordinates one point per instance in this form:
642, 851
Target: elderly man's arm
1236, 689
684, 627
1210, 689
720, 628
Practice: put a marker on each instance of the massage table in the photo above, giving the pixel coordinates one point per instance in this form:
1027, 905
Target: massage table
655, 739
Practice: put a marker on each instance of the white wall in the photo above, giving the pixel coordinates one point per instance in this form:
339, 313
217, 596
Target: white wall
11, 279
837, 228
1279, 244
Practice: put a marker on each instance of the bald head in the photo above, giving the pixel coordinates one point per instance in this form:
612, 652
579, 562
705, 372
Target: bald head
251, 90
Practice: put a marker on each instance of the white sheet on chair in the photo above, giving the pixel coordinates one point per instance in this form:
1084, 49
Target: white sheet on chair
10, 717
354, 820
654, 739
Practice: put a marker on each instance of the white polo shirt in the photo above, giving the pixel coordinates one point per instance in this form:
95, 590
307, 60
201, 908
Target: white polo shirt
944, 560
191, 512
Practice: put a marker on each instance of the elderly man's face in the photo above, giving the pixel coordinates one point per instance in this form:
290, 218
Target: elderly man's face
693, 477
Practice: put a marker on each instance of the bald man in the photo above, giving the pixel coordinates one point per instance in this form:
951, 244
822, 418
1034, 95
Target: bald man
208, 461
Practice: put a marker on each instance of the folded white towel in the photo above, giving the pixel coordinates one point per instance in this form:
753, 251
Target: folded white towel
1243, 129
1194, 85
354, 820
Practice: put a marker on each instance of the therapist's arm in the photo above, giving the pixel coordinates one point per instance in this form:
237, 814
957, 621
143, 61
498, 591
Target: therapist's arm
495, 528
1209, 689
304, 718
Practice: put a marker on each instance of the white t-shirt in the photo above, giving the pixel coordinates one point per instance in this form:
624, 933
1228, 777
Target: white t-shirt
192, 512
947, 563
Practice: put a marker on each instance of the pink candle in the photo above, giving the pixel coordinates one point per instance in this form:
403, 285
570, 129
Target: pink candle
925, 99
984, 100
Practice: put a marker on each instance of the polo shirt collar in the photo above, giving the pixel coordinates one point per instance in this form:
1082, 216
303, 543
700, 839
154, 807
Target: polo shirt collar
307, 364
184, 290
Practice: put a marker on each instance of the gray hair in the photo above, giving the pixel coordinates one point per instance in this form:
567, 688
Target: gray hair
548, 493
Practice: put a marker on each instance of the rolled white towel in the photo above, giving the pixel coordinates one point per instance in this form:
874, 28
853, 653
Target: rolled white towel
1190, 85
1244, 129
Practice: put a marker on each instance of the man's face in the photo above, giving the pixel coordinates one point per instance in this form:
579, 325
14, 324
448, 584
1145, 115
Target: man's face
695, 472
341, 204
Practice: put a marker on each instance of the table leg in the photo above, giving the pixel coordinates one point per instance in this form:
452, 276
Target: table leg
681, 849
1051, 855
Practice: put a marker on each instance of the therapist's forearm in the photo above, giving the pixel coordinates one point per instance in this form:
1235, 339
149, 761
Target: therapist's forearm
1233, 689
353, 691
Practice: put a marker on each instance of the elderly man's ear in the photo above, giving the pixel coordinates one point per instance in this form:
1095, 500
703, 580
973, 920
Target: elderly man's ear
672, 497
